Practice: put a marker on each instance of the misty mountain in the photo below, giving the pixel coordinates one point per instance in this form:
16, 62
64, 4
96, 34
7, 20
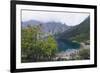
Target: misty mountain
30, 22
50, 27
78, 32
55, 27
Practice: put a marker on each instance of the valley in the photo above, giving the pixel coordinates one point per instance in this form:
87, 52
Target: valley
66, 42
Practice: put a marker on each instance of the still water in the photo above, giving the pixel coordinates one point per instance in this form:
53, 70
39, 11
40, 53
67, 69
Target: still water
64, 45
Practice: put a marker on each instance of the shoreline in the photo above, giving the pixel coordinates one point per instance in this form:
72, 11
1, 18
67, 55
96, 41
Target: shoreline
71, 53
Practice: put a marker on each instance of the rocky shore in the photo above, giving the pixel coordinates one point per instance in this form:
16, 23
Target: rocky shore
71, 54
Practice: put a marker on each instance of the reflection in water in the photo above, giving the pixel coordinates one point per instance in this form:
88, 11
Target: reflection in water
68, 45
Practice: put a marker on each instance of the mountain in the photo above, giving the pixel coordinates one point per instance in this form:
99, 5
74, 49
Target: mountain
50, 27
55, 27
79, 32
30, 22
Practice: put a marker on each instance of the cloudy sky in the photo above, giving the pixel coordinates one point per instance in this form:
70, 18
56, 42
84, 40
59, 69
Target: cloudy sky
69, 18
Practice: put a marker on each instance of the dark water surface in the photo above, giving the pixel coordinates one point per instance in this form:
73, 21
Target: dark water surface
64, 45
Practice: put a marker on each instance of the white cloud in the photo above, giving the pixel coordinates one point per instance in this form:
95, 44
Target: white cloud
69, 18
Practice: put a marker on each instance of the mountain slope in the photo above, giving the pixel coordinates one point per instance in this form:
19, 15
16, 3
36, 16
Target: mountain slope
79, 32
47, 27
30, 22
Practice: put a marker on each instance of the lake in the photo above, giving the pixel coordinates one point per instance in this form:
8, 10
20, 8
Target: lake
64, 45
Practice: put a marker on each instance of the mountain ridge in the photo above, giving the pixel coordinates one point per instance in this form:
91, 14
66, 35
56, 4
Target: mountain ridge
48, 27
82, 31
